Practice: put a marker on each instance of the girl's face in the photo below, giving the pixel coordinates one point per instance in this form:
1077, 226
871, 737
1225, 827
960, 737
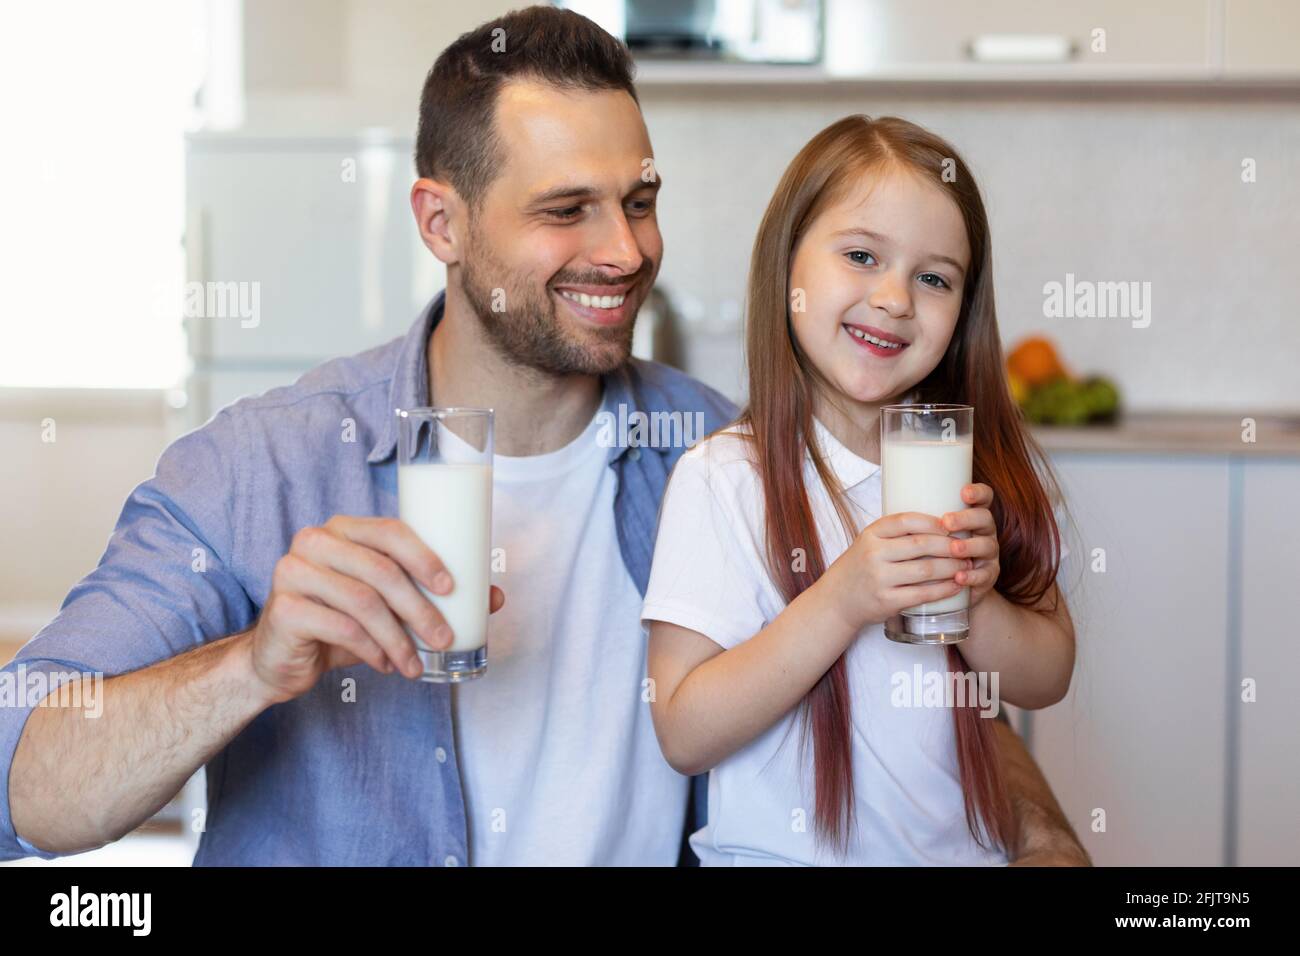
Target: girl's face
889, 262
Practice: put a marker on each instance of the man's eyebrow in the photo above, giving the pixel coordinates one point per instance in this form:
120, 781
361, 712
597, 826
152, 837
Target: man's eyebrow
572, 192
868, 234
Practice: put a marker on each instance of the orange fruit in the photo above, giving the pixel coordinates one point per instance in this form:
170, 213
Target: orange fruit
1034, 362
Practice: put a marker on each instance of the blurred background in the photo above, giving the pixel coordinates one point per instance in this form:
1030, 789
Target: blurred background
1140, 163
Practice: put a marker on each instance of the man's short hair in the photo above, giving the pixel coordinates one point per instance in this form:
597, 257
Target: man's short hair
456, 141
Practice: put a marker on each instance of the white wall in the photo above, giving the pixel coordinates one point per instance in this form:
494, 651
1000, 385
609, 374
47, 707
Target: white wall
58, 509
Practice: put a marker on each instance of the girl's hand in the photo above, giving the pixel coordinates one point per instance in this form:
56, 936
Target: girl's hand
981, 546
898, 561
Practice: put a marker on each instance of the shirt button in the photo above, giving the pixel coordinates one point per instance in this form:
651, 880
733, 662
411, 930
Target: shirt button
634, 453
451, 861
440, 755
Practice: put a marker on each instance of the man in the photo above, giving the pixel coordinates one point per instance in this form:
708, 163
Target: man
281, 660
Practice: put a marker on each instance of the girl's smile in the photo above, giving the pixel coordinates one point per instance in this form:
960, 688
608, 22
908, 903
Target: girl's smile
876, 341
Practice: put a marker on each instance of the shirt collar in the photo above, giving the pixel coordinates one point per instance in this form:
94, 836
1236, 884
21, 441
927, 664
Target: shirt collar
848, 468
409, 387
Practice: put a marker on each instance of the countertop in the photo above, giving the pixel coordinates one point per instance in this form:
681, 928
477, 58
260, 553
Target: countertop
1192, 432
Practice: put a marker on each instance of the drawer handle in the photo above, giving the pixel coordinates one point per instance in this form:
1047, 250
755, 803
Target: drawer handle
1021, 48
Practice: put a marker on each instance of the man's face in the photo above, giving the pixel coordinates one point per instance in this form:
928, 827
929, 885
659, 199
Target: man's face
564, 246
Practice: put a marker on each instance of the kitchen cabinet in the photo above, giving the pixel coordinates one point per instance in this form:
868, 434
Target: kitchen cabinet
1259, 39
1267, 793
1021, 39
1198, 592
1141, 733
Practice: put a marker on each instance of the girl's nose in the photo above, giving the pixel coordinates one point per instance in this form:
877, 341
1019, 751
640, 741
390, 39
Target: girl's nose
890, 293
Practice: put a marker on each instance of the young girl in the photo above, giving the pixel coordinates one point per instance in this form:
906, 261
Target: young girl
774, 571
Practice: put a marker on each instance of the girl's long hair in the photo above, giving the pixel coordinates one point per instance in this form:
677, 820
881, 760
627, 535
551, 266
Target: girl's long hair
782, 386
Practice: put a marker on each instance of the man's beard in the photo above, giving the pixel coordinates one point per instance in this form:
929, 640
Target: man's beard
527, 331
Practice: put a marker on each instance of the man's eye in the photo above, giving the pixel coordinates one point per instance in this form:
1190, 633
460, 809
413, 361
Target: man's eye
943, 283
859, 252
568, 212
641, 207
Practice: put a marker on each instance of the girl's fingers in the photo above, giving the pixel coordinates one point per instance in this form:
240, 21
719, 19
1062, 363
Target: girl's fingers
926, 569
979, 520
979, 546
979, 576
978, 495
907, 522
911, 594
911, 546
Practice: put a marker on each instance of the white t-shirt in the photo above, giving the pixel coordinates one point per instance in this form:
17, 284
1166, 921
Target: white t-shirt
557, 751
710, 575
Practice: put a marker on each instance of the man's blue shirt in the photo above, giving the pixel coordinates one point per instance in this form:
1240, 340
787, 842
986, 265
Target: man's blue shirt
316, 780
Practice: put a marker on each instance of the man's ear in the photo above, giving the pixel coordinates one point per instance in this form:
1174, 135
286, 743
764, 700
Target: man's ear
440, 215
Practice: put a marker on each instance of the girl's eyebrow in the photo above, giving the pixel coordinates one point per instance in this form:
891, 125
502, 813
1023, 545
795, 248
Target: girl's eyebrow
857, 231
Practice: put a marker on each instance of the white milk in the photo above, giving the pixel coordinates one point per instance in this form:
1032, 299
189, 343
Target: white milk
450, 507
927, 476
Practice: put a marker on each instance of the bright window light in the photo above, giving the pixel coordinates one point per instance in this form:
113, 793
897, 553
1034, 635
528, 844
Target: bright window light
96, 98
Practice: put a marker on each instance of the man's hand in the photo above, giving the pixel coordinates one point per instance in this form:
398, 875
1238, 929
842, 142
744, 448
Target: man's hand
1074, 855
341, 596
1043, 834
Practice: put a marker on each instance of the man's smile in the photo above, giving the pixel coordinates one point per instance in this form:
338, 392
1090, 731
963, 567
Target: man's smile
603, 305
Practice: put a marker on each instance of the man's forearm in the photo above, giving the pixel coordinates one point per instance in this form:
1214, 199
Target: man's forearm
1043, 835
78, 782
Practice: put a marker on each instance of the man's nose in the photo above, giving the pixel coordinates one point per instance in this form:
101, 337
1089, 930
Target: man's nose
617, 246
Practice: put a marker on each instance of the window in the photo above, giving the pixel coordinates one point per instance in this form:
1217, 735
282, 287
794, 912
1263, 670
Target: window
96, 98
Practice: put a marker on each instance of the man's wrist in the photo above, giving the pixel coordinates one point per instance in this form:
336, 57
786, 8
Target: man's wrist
239, 668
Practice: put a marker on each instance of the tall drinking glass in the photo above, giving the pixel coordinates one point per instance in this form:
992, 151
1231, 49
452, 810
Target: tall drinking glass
444, 492
925, 460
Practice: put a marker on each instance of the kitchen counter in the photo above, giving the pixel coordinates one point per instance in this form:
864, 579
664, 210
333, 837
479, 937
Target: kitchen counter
1179, 432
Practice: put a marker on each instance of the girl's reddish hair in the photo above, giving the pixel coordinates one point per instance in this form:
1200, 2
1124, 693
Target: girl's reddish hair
779, 416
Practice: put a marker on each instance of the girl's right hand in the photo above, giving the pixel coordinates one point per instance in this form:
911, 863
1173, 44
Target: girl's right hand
897, 562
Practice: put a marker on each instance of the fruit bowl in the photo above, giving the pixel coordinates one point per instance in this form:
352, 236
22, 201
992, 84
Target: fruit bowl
1049, 394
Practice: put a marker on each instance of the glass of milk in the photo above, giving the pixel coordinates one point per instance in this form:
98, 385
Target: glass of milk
444, 492
925, 461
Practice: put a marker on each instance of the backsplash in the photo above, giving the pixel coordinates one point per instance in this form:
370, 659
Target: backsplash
1138, 185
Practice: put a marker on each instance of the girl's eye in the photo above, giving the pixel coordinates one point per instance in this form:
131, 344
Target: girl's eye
943, 283
859, 252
